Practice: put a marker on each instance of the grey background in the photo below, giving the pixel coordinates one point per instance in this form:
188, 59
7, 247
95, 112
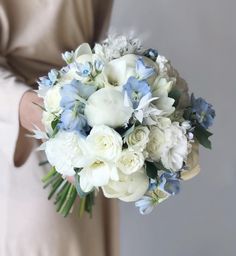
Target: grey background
200, 39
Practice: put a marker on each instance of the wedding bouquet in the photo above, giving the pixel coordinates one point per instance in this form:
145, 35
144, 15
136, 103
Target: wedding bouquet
118, 118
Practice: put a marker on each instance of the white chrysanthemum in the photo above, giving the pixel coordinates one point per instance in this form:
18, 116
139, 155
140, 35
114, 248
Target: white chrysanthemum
169, 145
106, 106
129, 187
130, 161
104, 143
52, 100
138, 138
66, 151
97, 174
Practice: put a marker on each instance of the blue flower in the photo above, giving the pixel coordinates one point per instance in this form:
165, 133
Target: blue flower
136, 89
50, 80
84, 70
145, 205
143, 71
203, 112
151, 53
169, 183
99, 65
72, 120
152, 185
73, 92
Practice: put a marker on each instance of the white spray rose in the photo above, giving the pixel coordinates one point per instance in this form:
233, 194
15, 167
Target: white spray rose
130, 161
66, 151
106, 106
138, 138
52, 100
129, 187
104, 143
97, 174
47, 119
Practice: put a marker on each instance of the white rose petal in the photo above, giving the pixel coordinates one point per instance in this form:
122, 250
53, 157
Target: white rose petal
130, 161
138, 138
104, 143
66, 151
129, 187
106, 106
52, 100
47, 119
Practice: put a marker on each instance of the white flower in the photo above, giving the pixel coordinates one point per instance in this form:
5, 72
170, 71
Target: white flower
104, 143
106, 106
129, 187
66, 151
52, 100
130, 161
169, 145
138, 138
97, 174
47, 119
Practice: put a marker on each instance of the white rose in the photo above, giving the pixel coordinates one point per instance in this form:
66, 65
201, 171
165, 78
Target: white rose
156, 143
52, 100
129, 187
47, 119
66, 151
138, 138
130, 161
106, 106
97, 174
169, 145
104, 143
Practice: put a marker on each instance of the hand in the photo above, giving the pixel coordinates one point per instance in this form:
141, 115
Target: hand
31, 114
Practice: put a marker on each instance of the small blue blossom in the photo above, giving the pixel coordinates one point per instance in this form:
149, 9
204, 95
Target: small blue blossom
169, 183
84, 70
99, 65
151, 53
72, 120
152, 185
136, 89
73, 92
68, 57
50, 80
145, 204
143, 71
203, 112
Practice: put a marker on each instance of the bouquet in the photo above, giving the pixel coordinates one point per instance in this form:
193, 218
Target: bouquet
118, 118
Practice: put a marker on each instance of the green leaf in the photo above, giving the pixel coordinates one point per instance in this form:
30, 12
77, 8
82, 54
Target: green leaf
54, 123
151, 170
82, 206
81, 193
49, 175
175, 94
202, 135
90, 203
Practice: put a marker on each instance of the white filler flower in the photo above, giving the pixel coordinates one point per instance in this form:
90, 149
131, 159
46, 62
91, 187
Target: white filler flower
66, 151
106, 106
129, 187
52, 100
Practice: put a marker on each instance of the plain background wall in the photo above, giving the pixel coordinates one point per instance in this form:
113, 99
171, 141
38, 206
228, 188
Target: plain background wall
200, 39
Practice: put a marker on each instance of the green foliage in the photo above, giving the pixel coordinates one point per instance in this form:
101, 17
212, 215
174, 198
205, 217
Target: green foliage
202, 135
175, 94
151, 170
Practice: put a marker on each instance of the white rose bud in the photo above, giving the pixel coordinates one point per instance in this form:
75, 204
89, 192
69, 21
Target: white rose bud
106, 106
130, 161
52, 100
138, 138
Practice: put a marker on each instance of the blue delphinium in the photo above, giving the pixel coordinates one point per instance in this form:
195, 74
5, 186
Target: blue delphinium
136, 89
169, 183
203, 111
143, 71
145, 204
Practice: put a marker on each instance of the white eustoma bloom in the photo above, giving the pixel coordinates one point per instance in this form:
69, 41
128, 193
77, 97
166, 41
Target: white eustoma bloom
129, 187
52, 100
97, 174
106, 106
66, 151
138, 138
130, 161
104, 143
170, 145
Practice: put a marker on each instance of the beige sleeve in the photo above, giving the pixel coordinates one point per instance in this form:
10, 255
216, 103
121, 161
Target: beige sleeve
11, 90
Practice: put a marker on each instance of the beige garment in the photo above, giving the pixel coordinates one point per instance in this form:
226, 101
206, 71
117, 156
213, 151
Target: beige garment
33, 33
